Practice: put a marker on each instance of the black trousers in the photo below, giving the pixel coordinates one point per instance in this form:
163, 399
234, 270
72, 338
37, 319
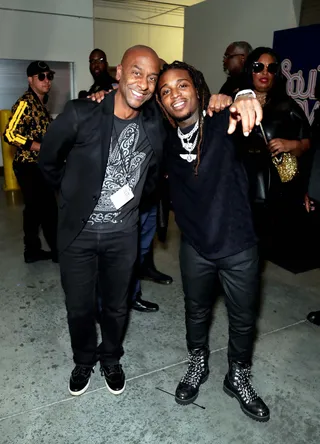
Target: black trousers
239, 276
107, 259
40, 209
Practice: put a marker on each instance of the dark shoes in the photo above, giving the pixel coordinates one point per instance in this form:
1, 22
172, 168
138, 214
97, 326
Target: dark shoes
237, 384
149, 272
80, 379
152, 274
197, 373
35, 256
144, 306
114, 377
314, 317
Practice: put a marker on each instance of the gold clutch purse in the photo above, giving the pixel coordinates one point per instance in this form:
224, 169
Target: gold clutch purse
286, 163
287, 166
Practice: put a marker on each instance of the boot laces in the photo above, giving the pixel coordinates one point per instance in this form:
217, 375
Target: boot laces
195, 370
244, 385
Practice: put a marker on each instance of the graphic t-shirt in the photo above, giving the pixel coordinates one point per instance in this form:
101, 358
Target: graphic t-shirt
128, 162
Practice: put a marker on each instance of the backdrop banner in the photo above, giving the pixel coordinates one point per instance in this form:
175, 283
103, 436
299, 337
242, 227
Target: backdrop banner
297, 48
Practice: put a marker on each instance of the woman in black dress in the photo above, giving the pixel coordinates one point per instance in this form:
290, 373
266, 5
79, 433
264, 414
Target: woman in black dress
283, 138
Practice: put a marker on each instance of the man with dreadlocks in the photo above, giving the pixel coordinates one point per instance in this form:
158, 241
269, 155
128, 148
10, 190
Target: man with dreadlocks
209, 193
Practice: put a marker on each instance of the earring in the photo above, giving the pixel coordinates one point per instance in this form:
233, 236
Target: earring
204, 113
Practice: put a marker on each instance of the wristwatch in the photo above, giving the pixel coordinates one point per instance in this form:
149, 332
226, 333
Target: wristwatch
246, 92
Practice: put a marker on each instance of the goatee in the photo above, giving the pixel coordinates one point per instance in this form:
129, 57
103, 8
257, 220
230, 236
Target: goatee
182, 118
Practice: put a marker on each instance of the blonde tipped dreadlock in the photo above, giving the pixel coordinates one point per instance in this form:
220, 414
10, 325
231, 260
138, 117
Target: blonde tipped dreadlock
203, 93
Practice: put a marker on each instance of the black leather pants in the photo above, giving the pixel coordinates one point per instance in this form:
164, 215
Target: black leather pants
239, 276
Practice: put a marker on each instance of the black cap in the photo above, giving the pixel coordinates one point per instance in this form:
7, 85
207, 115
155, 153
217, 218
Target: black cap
37, 67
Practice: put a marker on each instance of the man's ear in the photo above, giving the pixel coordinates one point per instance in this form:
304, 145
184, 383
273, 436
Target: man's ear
119, 72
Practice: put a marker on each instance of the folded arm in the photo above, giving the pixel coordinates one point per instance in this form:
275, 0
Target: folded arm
56, 145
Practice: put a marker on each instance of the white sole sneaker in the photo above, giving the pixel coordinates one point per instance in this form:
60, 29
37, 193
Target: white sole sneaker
80, 392
85, 388
116, 392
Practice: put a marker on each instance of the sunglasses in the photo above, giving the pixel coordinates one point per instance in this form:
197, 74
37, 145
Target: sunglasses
99, 60
230, 56
42, 75
257, 67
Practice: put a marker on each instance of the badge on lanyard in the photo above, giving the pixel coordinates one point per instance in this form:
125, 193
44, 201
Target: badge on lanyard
122, 196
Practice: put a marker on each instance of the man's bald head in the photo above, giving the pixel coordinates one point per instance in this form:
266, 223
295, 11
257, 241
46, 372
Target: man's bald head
139, 51
235, 56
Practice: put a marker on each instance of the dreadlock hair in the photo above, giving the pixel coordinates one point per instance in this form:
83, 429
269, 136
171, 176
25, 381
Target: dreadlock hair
203, 94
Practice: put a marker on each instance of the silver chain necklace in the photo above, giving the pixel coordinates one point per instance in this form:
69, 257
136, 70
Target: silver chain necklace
186, 144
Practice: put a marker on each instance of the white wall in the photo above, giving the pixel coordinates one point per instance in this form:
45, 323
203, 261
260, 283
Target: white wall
52, 30
297, 4
211, 26
117, 29
58, 30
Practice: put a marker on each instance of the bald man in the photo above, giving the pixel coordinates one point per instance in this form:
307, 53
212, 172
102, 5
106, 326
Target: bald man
101, 157
234, 59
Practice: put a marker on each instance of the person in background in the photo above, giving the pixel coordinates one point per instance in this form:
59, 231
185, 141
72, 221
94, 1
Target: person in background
99, 71
234, 59
146, 269
277, 205
149, 212
25, 130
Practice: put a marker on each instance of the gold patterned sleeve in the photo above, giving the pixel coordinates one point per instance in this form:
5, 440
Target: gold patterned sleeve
17, 130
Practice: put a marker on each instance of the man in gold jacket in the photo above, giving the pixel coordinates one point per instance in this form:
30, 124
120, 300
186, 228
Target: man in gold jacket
25, 130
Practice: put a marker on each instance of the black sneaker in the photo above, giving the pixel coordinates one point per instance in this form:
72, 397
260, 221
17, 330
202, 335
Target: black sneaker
80, 379
114, 377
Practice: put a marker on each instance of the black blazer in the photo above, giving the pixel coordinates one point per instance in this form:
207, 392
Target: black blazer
74, 154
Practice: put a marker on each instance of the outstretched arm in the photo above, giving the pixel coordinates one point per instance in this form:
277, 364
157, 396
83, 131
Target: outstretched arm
246, 109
